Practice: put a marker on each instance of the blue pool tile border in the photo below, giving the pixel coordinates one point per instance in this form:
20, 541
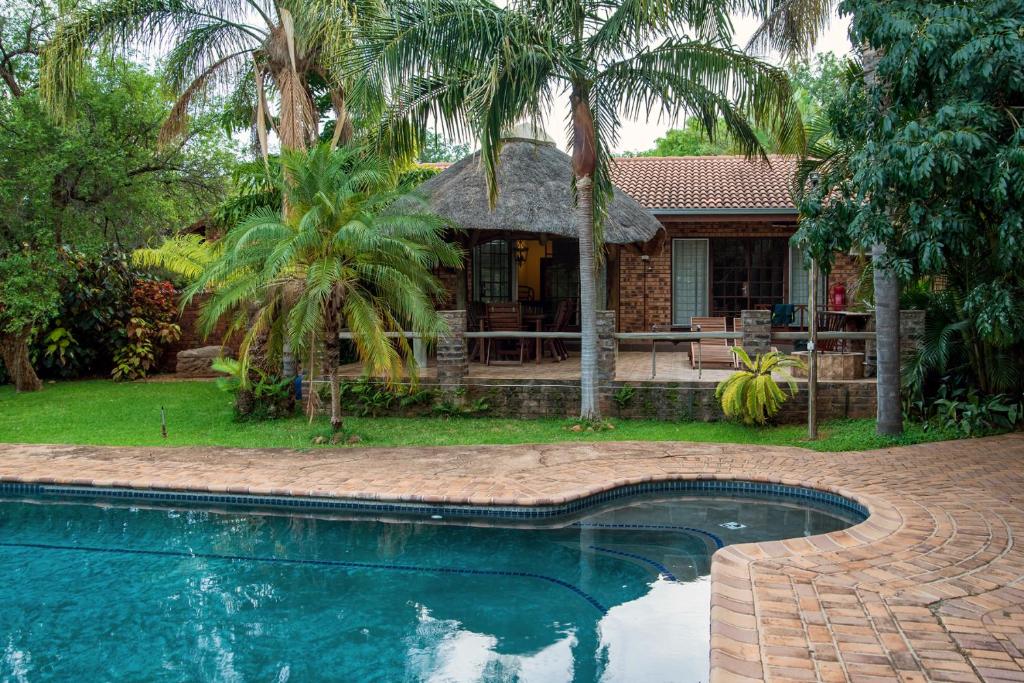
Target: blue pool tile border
466, 511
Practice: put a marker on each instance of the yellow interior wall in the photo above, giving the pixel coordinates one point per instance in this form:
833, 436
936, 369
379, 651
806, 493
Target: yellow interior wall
529, 270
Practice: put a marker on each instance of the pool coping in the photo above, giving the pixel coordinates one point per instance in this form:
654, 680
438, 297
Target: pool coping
912, 582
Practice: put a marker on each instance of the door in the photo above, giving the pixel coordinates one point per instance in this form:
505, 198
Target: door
747, 274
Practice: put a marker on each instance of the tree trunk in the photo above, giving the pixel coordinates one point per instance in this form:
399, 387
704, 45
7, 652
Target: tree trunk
332, 349
584, 161
887, 342
589, 406
14, 351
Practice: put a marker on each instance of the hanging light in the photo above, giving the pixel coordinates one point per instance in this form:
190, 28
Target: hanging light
521, 252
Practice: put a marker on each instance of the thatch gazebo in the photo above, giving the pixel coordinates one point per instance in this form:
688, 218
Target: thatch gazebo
526, 246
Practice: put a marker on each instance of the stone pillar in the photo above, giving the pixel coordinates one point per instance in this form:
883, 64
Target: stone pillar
757, 332
911, 332
607, 347
452, 359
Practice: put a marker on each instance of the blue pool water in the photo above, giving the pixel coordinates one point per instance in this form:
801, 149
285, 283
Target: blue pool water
100, 592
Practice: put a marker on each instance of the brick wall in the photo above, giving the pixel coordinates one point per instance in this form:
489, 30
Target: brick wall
669, 401
192, 337
637, 312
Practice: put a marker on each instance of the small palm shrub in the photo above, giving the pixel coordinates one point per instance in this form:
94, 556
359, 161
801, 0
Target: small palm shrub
752, 394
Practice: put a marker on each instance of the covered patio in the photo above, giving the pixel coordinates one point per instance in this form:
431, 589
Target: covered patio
522, 267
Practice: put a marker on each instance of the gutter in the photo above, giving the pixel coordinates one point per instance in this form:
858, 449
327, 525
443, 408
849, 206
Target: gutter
723, 212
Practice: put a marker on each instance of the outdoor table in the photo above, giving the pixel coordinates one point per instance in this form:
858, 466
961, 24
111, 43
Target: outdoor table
535, 320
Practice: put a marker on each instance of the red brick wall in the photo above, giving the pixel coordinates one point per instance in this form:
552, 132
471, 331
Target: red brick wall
846, 270
638, 313
192, 337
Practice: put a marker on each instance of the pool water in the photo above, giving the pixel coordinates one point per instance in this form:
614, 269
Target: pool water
98, 592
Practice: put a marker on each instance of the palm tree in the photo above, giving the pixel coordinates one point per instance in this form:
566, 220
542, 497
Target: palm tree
253, 48
337, 259
480, 69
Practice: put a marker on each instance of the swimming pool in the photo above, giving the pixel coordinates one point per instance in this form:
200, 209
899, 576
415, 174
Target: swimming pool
129, 590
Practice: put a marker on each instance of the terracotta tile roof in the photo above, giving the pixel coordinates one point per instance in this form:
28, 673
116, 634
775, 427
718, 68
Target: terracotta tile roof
706, 183
702, 183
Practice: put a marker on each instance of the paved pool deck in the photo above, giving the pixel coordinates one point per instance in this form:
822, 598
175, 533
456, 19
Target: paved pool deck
930, 587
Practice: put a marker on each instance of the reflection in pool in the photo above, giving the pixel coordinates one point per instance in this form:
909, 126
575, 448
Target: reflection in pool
96, 592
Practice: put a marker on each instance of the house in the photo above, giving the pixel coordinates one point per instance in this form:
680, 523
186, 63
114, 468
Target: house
684, 236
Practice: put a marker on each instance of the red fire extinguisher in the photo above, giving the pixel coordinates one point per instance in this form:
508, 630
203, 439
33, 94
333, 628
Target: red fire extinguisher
837, 295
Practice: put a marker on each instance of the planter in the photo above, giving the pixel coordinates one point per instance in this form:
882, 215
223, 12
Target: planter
834, 366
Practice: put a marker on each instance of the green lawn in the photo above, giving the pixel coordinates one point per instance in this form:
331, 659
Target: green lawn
109, 413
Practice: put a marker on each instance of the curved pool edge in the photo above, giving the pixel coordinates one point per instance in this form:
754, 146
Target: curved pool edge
453, 508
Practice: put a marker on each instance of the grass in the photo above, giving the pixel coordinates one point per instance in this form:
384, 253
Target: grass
102, 412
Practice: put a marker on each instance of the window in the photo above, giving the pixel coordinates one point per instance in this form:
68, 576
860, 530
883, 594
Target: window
492, 271
689, 280
799, 283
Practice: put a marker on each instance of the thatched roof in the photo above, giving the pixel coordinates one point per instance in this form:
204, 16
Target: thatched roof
534, 195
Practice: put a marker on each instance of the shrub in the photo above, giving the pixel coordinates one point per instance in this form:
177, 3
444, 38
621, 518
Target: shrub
150, 329
258, 395
752, 394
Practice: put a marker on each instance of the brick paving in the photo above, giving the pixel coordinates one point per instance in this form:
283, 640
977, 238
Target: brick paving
930, 587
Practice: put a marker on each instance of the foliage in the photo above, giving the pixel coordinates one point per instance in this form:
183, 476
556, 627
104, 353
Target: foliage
89, 320
623, 396
149, 330
933, 168
752, 394
272, 395
457, 406
340, 258
102, 180
27, 300
185, 256
371, 397
970, 414
435, 148
128, 414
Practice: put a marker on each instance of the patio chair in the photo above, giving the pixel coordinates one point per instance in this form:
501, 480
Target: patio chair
563, 315
504, 317
710, 351
476, 314
831, 322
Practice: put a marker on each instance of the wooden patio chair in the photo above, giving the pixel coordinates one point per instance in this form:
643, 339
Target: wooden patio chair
563, 314
710, 351
831, 322
504, 317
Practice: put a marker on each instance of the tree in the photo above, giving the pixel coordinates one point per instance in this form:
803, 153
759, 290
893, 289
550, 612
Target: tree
935, 171
337, 259
481, 69
99, 182
254, 48
26, 300
435, 148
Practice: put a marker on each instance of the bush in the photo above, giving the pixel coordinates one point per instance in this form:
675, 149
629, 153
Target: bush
752, 394
150, 329
258, 395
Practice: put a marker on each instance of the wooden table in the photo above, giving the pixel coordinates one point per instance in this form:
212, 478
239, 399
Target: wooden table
535, 320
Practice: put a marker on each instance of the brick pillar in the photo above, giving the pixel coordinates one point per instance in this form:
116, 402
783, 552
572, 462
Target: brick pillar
606, 347
452, 359
911, 332
757, 332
